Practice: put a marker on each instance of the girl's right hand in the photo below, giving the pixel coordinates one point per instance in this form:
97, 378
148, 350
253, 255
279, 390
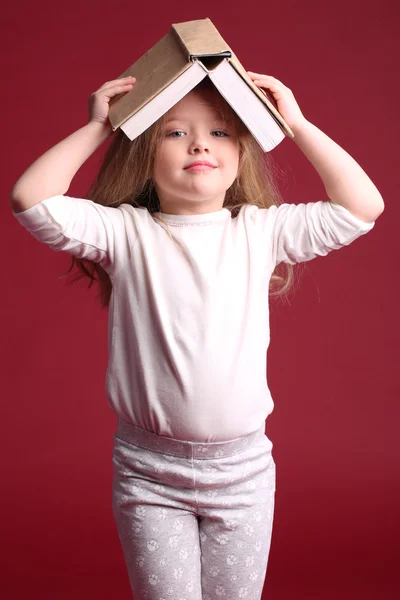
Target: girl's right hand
98, 101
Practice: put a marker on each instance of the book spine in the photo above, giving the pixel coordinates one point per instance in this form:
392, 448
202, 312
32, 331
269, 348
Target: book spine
201, 39
181, 43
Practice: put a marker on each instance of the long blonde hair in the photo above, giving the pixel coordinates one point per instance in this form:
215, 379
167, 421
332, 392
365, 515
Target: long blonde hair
125, 176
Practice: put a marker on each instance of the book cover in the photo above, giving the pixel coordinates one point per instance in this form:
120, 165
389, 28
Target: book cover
171, 56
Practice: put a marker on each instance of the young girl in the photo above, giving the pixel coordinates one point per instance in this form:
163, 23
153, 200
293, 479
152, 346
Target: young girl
185, 232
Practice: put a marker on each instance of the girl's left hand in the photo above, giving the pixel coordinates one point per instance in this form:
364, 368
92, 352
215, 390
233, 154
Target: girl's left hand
287, 105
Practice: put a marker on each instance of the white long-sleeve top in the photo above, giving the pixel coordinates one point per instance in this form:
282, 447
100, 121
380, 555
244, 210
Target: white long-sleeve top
188, 337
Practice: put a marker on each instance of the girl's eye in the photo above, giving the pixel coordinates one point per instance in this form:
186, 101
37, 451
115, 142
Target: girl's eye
218, 131
172, 133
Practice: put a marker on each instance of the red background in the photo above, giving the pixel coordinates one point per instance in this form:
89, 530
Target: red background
334, 349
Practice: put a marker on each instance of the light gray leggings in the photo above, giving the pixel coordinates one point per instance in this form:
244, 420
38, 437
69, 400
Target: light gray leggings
194, 519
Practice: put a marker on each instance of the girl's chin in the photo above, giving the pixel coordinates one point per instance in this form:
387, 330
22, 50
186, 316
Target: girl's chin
196, 192
199, 188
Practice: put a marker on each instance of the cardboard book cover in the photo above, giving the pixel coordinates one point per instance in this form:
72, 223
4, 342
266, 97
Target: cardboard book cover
171, 56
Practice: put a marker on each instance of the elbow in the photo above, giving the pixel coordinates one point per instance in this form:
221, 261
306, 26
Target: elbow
13, 196
380, 207
15, 201
373, 209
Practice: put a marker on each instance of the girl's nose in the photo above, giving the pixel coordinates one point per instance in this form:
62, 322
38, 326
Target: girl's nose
199, 144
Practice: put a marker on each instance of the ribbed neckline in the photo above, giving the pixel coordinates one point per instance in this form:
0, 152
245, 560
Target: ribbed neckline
206, 218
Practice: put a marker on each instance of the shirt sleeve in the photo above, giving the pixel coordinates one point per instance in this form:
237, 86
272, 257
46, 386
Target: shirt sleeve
302, 232
81, 227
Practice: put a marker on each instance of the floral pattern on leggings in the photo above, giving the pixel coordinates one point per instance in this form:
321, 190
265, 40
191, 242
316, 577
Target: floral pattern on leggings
194, 529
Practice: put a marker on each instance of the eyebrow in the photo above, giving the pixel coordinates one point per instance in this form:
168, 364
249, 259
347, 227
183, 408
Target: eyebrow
175, 119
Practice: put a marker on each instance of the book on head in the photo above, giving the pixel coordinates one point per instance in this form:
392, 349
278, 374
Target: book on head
188, 53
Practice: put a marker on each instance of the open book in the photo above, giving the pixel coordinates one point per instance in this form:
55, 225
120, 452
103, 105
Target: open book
175, 65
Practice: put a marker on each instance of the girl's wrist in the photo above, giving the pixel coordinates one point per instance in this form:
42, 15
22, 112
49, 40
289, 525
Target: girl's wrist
102, 130
300, 126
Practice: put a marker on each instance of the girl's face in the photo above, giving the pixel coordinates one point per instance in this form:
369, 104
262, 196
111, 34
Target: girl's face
194, 131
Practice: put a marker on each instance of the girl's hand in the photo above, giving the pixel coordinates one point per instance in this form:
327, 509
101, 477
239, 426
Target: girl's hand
98, 101
287, 105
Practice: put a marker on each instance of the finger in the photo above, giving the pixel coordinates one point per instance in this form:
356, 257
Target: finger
275, 86
258, 74
117, 89
267, 82
118, 82
269, 78
109, 92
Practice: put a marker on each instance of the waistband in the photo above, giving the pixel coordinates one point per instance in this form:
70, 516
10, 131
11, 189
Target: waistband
185, 448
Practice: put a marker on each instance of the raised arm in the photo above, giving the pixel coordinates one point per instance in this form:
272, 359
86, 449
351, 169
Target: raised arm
346, 183
51, 174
